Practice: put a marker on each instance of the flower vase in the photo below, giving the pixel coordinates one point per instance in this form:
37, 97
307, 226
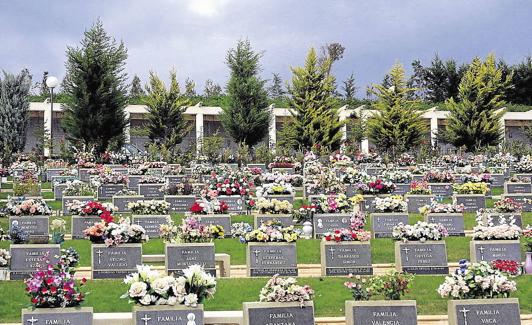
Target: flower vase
58, 238
528, 263
4, 271
307, 229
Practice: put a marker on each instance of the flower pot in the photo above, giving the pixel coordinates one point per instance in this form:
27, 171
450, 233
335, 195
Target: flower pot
4, 272
96, 239
177, 314
528, 263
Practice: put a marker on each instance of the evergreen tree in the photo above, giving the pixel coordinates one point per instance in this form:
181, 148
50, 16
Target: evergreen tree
315, 109
521, 92
349, 88
212, 89
96, 89
247, 116
44, 91
474, 121
166, 123
331, 52
396, 127
14, 111
190, 88
136, 88
276, 90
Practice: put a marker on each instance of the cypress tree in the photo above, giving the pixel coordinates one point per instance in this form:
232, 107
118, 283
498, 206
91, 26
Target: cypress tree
96, 91
315, 109
247, 116
397, 126
474, 121
136, 88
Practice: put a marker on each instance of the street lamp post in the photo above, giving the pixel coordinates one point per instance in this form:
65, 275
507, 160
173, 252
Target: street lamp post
51, 83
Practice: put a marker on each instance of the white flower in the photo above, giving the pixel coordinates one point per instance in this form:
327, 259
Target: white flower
146, 300
191, 300
160, 285
138, 289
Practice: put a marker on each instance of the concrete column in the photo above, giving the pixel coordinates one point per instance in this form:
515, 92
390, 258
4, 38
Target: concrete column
199, 132
47, 128
127, 134
364, 144
343, 117
433, 131
272, 130
503, 131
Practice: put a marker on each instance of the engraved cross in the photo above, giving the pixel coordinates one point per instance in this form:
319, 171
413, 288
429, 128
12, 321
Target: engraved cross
32, 320
464, 311
256, 253
99, 253
406, 250
145, 319
332, 252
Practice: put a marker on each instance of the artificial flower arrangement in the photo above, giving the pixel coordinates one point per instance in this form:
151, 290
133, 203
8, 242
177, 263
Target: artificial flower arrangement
55, 286
282, 162
24, 165
391, 286
190, 231
5, 257
149, 287
436, 207
507, 205
397, 176
149, 207
471, 188
437, 176
421, 231
527, 238
512, 268
278, 177
213, 206
139, 170
393, 203
279, 289
273, 206
126, 192
377, 186
184, 188
367, 157
17, 234
419, 188
304, 213
477, 178
57, 226
174, 169
486, 230
92, 208
122, 232
34, 207
406, 160
239, 229
271, 231
519, 179
86, 160
104, 175
338, 159
477, 281
524, 165
150, 179
352, 175
77, 188
230, 183
274, 189
355, 232
502, 159
337, 203
324, 181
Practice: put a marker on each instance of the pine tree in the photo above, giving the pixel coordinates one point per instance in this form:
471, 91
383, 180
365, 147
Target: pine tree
14, 110
397, 126
349, 88
212, 89
315, 109
96, 89
167, 125
136, 88
276, 90
247, 116
521, 92
474, 122
190, 88
44, 91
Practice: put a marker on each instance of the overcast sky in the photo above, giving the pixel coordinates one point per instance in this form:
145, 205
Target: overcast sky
193, 36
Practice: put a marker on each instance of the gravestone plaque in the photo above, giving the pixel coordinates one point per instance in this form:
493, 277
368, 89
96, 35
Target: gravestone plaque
26, 259
417, 177
502, 218
51, 172
497, 180
285, 219
121, 202
180, 203
491, 250
428, 257
369, 202
115, 262
151, 223
345, 258
350, 190
83, 174
261, 166
133, 182
106, 191
396, 312
268, 259
441, 189
382, 223
329, 222
18, 172
181, 256
283, 197
121, 170
176, 179
223, 220
418, 201
524, 199
234, 202
484, 311
151, 191
155, 171
273, 313
59, 316
68, 199
35, 226
163, 315
453, 222
58, 191
471, 202
401, 188
374, 171
80, 223
524, 175
513, 188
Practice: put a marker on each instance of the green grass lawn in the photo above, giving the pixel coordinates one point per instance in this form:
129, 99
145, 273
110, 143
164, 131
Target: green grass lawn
329, 300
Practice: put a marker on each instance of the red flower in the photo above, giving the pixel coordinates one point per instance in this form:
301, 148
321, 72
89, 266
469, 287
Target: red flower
196, 208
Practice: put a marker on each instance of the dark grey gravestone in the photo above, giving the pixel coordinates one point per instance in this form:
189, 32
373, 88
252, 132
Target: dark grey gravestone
453, 222
373, 171
382, 223
59, 316
401, 188
503, 218
513, 188
26, 259
329, 222
271, 259
385, 314
133, 182
121, 202
350, 190
497, 180
180, 203
181, 256
369, 203
151, 191
523, 198
347, 258
163, 316
58, 191
287, 197
107, 191
441, 189
234, 202
83, 174
53, 172
285, 219
471, 203
261, 166
35, 226
176, 179
294, 315
151, 223
418, 201
426, 258
80, 223
155, 171
487, 313
223, 220
497, 250
115, 262
417, 177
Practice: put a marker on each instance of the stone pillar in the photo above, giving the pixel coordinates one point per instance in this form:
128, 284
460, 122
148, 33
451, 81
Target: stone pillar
272, 130
433, 131
47, 128
342, 118
127, 129
364, 144
199, 132
503, 131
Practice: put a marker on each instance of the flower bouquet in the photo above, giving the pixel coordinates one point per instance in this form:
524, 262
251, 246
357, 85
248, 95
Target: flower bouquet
112, 233
397, 176
511, 268
471, 188
436, 207
347, 234
377, 186
190, 231
58, 230
505, 230
230, 183
281, 162
149, 207
477, 178
419, 188
337, 204
271, 231
352, 175
393, 203
92, 208
391, 285
270, 189
148, 287
209, 207
279, 289
507, 205
436, 176
524, 165
273, 206
304, 213
77, 188
421, 231
338, 159
240, 229
5, 257
284, 178
34, 207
